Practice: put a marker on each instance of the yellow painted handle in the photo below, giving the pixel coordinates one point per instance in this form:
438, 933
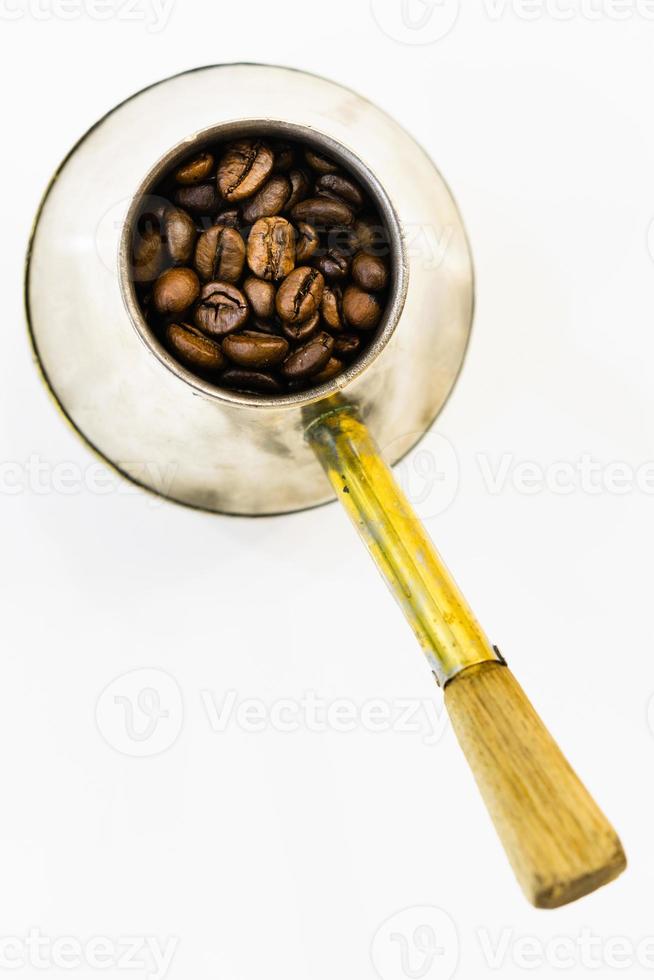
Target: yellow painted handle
559, 843
443, 622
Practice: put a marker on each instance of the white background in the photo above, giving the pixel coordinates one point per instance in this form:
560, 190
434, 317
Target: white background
281, 854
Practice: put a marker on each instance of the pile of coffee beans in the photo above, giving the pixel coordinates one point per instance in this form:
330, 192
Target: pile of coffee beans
261, 265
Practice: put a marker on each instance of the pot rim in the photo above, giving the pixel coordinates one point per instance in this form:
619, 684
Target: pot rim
275, 129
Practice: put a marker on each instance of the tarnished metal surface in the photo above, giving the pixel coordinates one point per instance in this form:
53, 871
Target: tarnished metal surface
155, 422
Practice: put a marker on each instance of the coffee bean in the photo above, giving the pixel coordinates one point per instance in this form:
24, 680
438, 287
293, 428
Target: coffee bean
230, 218
261, 296
220, 254
334, 265
284, 155
347, 344
371, 236
190, 346
222, 309
301, 331
330, 370
175, 290
148, 255
360, 309
251, 382
331, 307
271, 248
299, 295
300, 186
198, 199
307, 242
243, 169
369, 272
262, 265
342, 239
269, 200
308, 359
251, 349
323, 212
180, 235
319, 163
271, 327
341, 188
195, 170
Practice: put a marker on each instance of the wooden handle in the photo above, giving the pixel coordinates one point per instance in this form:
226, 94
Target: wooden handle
559, 843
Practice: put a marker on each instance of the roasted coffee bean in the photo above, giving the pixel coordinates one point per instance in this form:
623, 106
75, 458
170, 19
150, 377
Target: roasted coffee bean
299, 295
222, 309
148, 255
371, 236
360, 309
269, 200
369, 272
319, 163
230, 218
331, 307
321, 212
272, 327
180, 234
308, 359
220, 254
300, 186
271, 248
347, 344
261, 297
190, 346
307, 242
198, 198
330, 370
195, 170
284, 155
333, 264
342, 239
251, 349
175, 290
301, 331
251, 382
261, 264
342, 188
243, 169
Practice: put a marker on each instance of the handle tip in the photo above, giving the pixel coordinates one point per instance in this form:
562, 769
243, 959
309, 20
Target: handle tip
559, 843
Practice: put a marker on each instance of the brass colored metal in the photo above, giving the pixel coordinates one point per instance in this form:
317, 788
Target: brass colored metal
443, 622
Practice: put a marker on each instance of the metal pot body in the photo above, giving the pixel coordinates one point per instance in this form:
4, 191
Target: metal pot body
158, 425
